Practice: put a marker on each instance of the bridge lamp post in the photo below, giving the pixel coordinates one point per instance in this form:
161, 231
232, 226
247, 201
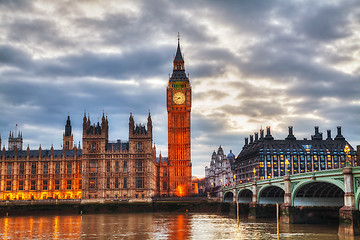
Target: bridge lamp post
347, 150
286, 166
234, 179
254, 171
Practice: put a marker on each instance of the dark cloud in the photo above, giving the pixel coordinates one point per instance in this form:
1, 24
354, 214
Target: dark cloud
15, 5
14, 57
285, 63
140, 64
320, 26
37, 33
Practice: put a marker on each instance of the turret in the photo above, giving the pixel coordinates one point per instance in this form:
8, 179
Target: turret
3, 152
220, 151
105, 126
149, 124
67, 127
84, 119
68, 136
40, 149
95, 136
28, 152
140, 135
131, 124
15, 140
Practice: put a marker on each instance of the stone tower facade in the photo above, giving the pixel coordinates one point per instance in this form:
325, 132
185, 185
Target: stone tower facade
178, 95
15, 142
68, 138
117, 170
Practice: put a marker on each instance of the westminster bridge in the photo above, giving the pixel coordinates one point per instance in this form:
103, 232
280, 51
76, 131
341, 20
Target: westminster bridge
329, 189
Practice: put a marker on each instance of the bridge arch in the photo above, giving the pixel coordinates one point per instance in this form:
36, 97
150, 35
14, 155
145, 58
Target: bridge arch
357, 199
318, 193
271, 194
244, 196
228, 197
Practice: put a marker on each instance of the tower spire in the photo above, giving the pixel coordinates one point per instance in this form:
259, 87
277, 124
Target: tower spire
178, 65
68, 127
178, 56
68, 136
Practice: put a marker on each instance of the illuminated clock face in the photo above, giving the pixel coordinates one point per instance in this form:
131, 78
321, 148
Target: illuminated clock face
179, 98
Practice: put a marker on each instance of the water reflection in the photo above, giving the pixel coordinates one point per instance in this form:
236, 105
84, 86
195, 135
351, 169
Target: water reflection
155, 226
40, 227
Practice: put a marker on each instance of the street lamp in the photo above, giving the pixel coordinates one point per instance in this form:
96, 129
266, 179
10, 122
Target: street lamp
347, 150
254, 171
286, 166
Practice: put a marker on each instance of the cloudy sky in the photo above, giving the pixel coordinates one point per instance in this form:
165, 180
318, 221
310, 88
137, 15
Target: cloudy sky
251, 63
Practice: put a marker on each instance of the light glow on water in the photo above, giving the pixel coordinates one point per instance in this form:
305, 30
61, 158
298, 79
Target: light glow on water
158, 226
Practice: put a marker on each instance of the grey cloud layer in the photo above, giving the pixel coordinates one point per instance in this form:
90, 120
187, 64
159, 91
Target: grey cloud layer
61, 57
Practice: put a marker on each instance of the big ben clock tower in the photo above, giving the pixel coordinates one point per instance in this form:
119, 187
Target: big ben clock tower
178, 95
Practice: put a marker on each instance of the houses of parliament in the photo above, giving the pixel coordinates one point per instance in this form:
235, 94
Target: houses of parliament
100, 169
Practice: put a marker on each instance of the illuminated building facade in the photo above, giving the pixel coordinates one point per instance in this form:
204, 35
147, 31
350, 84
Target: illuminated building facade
40, 174
102, 171
118, 170
178, 95
220, 173
162, 176
268, 156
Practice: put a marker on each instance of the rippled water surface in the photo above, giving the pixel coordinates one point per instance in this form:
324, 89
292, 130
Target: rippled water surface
155, 226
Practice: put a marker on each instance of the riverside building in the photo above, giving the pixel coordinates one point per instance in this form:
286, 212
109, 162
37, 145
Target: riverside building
102, 170
107, 170
220, 173
264, 157
178, 102
40, 174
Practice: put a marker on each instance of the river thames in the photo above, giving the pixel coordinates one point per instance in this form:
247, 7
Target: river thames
155, 226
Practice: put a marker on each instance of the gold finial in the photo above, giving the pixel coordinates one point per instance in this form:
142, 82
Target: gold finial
178, 36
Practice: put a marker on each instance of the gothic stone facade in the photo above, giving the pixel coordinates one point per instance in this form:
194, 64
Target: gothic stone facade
105, 170
118, 170
102, 171
39, 174
178, 95
220, 173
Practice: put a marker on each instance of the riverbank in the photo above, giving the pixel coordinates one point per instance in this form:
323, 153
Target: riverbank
155, 226
317, 215
71, 207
